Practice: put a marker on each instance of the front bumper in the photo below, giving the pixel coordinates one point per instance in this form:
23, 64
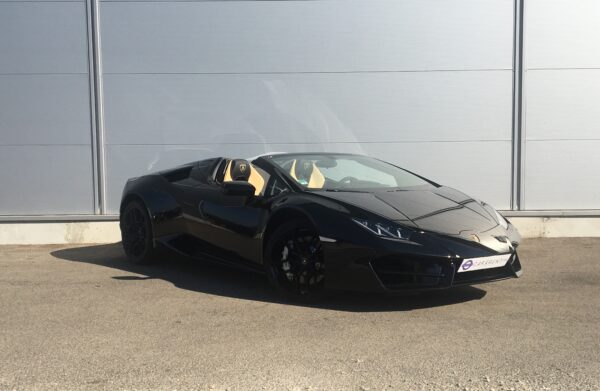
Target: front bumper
358, 268
407, 273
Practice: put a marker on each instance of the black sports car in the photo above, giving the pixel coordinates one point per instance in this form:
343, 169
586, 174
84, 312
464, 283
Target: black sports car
320, 221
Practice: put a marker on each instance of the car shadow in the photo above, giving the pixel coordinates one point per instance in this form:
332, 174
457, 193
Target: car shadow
206, 277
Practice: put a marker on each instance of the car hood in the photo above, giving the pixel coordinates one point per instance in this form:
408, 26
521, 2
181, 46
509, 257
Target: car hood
437, 209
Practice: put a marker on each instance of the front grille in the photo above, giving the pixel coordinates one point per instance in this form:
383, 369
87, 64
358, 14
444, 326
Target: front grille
397, 273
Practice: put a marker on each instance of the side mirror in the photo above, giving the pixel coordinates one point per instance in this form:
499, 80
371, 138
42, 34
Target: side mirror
239, 188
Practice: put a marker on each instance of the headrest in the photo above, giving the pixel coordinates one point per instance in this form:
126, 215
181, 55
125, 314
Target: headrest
303, 170
239, 170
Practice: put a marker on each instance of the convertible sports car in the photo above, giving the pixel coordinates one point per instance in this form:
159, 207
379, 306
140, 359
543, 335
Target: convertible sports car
315, 222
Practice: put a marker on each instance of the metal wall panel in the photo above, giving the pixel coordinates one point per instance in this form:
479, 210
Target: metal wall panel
425, 84
44, 109
563, 104
562, 174
562, 95
403, 81
305, 36
563, 34
46, 37
39, 180
308, 108
45, 123
452, 165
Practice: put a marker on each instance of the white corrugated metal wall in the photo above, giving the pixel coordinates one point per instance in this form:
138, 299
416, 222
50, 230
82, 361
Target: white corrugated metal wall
562, 105
425, 84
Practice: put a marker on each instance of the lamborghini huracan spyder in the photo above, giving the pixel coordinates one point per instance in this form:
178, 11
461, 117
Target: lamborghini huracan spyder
320, 221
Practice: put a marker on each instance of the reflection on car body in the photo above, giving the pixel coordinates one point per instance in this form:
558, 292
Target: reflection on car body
320, 221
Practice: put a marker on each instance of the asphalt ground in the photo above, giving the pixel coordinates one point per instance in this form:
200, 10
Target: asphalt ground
83, 318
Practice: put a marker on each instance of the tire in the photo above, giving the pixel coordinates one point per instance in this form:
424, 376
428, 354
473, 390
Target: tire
136, 233
294, 262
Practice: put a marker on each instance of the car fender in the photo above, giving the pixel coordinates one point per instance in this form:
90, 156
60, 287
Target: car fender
163, 207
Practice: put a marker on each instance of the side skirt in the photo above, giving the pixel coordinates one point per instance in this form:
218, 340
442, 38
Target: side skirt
194, 248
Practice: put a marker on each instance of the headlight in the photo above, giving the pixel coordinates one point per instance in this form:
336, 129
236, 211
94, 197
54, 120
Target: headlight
501, 220
385, 230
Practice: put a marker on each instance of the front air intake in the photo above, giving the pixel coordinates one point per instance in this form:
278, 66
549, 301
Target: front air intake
398, 273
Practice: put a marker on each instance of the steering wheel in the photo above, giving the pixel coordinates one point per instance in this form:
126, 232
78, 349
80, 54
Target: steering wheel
348, 180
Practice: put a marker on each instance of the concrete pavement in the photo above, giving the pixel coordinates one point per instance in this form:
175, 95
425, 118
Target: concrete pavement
83, 318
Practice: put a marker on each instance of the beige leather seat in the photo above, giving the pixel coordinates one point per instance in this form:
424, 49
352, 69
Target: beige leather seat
306, 172
239, 169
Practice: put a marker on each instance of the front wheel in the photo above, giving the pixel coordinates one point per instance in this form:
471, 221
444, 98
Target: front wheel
294, 261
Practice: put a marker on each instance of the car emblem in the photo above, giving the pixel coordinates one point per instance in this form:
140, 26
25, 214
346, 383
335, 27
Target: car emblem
467, 265
474, 238
242, 167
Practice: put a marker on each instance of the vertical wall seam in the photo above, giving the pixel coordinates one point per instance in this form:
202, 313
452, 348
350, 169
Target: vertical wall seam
94, 6
92, 95
523, 108
517, 110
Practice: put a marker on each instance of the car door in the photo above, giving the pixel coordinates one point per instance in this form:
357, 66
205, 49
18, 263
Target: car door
222, 225
190, 193
237, 222
231, 223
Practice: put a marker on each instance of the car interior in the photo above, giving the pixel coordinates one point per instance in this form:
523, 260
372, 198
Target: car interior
306, 173
311, 173
242, 170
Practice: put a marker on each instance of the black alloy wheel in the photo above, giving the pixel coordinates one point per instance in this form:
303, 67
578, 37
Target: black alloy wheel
294, 261
136, 233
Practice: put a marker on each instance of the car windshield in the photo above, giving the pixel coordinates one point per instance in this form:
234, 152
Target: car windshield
344, 172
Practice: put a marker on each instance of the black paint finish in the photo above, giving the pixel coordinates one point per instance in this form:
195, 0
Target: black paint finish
192, 213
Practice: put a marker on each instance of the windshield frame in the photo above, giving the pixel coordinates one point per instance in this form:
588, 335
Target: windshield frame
270, 158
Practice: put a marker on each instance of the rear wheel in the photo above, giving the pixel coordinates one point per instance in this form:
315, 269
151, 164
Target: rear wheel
136, 233
294, 261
